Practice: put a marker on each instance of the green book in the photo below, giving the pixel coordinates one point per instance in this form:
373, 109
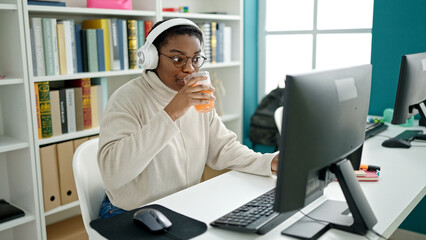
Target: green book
92, 50
45, 110
48, 46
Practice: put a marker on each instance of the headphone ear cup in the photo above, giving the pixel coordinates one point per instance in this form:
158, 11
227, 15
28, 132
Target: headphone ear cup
148, 56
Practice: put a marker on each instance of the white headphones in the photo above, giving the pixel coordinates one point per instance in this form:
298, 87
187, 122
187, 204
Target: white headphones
148, 53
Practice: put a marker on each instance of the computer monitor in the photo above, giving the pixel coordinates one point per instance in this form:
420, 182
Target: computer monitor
411, 92
323, 130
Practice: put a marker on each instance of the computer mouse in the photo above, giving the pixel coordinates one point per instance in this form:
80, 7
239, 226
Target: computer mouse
151, 219
396, 143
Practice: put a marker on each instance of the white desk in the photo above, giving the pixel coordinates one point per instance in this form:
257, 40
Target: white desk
401, 186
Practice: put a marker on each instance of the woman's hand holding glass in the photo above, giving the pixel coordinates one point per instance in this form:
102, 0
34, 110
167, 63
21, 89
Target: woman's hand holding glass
189, 95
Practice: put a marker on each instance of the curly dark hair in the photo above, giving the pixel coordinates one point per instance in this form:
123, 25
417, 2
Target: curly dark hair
189, 30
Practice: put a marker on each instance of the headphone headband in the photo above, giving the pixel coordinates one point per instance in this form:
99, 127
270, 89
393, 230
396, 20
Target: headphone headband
148, 53
166, 25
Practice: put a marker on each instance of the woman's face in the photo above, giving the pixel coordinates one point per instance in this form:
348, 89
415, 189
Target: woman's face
177, 45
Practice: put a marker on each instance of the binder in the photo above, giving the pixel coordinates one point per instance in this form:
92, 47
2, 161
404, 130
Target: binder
67, 187
50, 177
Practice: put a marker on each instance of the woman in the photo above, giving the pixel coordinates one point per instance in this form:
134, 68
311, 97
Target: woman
152, 141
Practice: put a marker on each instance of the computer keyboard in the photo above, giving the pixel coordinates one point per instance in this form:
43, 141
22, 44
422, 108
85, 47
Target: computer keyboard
256, 216
374, 128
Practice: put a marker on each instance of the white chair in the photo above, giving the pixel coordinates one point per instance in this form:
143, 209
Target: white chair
89, 184
278, 116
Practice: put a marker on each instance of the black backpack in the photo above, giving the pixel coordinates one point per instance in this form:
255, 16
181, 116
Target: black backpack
263, 129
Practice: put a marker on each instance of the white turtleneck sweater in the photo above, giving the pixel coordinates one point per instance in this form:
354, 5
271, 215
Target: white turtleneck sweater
143, 155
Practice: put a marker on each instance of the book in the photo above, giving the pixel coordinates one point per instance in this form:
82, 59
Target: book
55, 112
78, 98
39, 46
37, 106
47, 3
48, 46
121, 41
213, 41
101, 24
90, 50
205, 27
45, 113
33, 52
367, 176
83, 86
69, 42
71, 119
94, 105
100, 48
227, 44
125, 45
62, 54
50, 177
141, 33
148, 26
132, 43
114, 45
73, 45
219, 41
63, 110
78, 48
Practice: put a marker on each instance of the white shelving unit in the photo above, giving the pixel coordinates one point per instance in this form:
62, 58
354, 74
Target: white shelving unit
18, 181
19, 148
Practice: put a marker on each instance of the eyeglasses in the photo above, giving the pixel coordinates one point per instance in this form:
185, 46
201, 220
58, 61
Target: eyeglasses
180, 60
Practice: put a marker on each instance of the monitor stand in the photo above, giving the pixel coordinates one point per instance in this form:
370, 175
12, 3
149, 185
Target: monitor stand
359, 218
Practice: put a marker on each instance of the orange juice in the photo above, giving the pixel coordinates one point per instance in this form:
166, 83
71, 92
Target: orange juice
201, 108
205, 107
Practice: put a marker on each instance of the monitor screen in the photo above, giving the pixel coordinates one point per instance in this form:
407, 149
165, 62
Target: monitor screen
323, 130
411, 92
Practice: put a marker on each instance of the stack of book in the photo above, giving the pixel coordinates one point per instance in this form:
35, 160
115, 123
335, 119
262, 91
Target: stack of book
217, 46
367, 176
62, 46
75, 106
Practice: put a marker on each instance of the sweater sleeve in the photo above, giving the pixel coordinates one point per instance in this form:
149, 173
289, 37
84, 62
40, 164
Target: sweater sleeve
127, 146
225, 151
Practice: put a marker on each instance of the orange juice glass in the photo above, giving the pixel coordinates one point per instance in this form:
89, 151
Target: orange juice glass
202, 108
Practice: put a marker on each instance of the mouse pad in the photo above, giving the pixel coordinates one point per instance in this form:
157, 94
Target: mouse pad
122, 226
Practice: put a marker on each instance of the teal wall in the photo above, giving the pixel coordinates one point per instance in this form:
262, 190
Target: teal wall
399, 27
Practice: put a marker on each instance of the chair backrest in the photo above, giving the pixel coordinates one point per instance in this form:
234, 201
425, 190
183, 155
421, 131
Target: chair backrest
278, 116
88, 181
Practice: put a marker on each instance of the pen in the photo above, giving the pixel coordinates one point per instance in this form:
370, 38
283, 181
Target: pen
369, 167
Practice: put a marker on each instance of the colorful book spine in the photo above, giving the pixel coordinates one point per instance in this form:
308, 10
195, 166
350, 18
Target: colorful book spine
101, 24
84, 84
61, 49
148, 26
37, 105
100, 49
92, 50
45, 113
213, 41
78, 47
120, 42
132, 43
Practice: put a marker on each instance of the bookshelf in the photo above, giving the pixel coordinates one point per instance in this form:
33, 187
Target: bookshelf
18, 181
20, 148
